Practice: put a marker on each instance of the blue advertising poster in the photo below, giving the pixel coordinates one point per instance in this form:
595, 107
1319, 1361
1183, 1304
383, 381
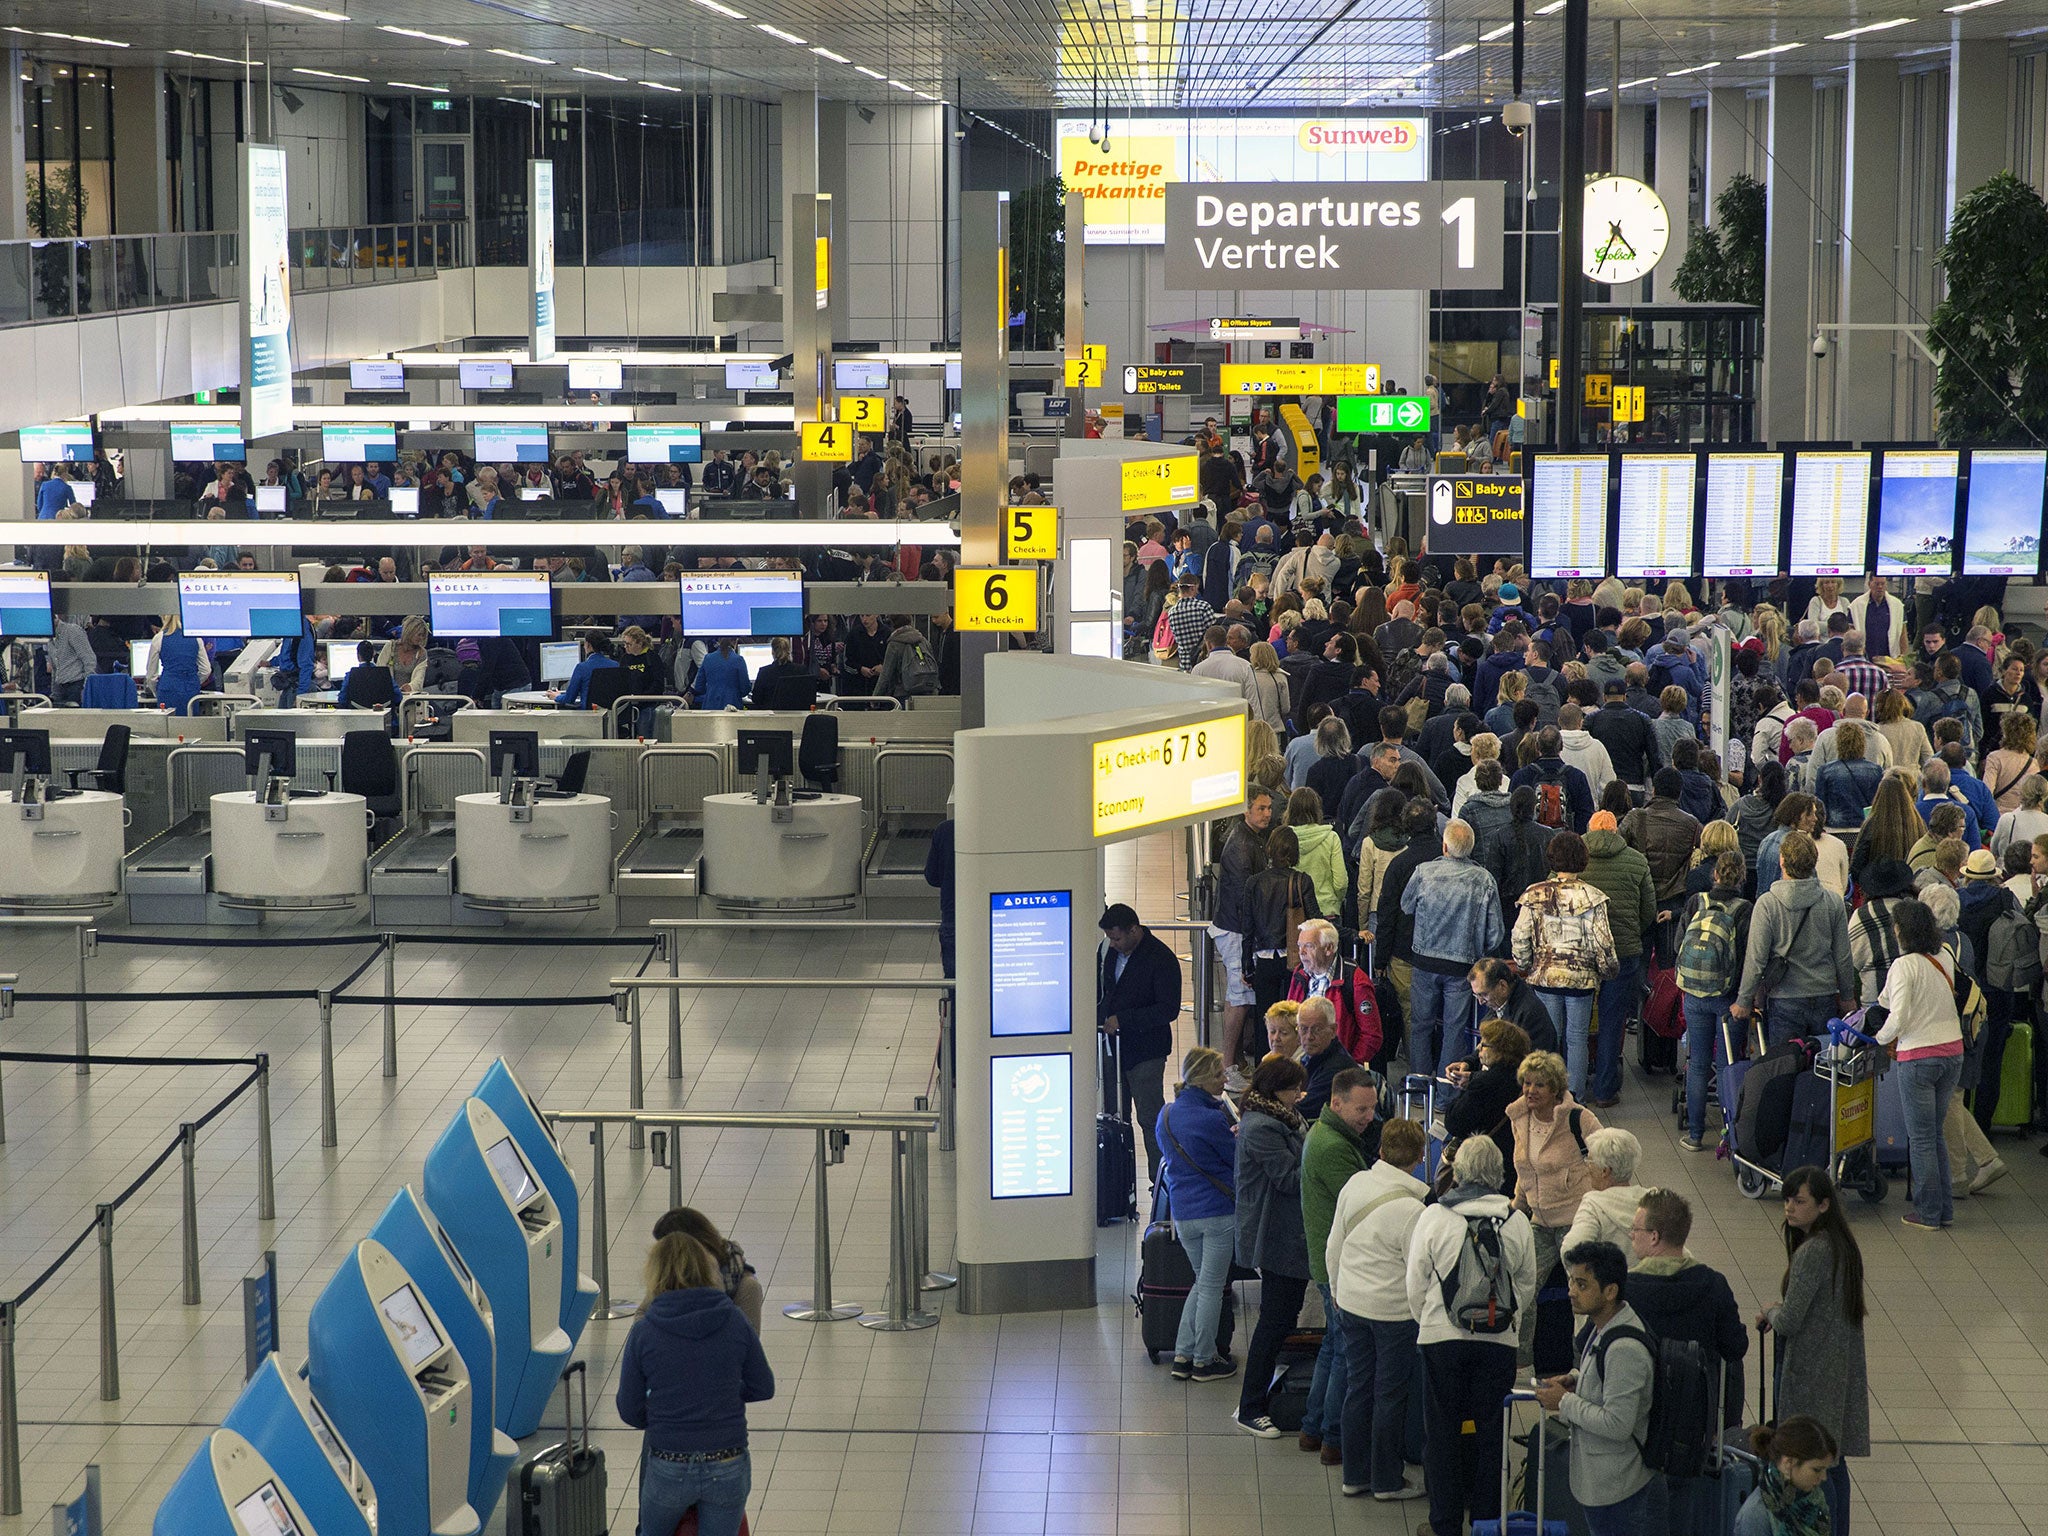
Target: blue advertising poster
1030, 963
1031, 1125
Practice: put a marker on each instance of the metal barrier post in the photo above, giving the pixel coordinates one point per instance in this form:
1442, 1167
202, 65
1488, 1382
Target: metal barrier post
672, 940
928, 1279
903, 1282
110, 1342
81, 1031
601, 1231
821, 1308
10, 1417
330, 1134
1202, 958
636, 1095
189, 1189
675, 1166
266, 1164
6, 1012
946, 1084
390, 1005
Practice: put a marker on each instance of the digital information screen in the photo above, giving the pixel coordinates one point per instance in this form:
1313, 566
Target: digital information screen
2002, 514
596, 373
510, 1170
203, 443
746, 603
418, 1338
484, 375
1568, 515
68, 440
359, 443
740, 376
1745, 511
953, 374
264, 1513
25, 605
511, 442
664, 442
1830, 513
1031, 1125
377, 375
490, 605
1916, 512
240, 605
1030, 963
1654, 535
860, 375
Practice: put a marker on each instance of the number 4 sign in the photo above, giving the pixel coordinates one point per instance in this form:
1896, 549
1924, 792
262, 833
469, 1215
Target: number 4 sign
827, 442
986, 599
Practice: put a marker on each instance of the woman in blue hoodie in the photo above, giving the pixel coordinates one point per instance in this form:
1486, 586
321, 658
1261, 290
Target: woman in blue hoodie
1200, 1173
691, 1366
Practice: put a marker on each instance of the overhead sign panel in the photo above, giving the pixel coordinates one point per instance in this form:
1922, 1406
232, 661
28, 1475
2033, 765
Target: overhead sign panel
1383, 413
266, 293
1300, 378
1251, 328
1476, 515
1162, 379
1165, 775
995, 598
1149, 483
1391, 234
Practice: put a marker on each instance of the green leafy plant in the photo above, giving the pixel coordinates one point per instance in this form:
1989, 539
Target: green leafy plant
1989, 334
56, 202
1038, 263
1724, 264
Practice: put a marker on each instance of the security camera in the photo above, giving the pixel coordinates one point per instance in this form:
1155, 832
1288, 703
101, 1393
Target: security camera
1518, 117
1820, 344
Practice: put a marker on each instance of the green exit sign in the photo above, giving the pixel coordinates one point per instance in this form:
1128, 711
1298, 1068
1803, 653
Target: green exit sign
444, 106
203, 397
1382, 413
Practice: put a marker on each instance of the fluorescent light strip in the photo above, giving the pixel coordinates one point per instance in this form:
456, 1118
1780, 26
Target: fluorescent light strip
598, 73
1691, 69
1497, 33
1765, 53
524, 58
328, 74
777, 32
70, 37
1456, 53
1870, 26
908, 90
872, 74
407, 85
1629, 85
656, 85
300, 10
214, 58
346, 534
1972, 5
827, 53
724, 10
520, 101
425, 37
1141, 31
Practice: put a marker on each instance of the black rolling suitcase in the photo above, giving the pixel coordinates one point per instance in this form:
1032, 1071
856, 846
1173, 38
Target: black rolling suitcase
1164, 1279
561, 1492
1116, 1144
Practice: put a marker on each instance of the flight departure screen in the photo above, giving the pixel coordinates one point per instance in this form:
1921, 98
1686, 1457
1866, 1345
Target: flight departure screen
240, 605
1830, 513
1654, 535
1745, 511
511, 442
1568, 515
1916, 511
2002, 515
490, 605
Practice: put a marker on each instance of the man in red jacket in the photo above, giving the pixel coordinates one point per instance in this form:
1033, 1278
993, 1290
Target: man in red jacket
1324, 973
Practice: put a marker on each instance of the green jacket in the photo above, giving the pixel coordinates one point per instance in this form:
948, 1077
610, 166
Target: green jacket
1334, 1153
1624, 874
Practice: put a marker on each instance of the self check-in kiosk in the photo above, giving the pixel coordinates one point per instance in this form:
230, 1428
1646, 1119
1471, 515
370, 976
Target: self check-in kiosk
504, 1221
419, 1242
228, 1489
278, 1415
382, 1363
502, 1091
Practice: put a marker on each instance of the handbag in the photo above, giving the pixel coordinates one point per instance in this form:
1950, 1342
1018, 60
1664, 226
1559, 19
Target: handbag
1780, 962
1163, 645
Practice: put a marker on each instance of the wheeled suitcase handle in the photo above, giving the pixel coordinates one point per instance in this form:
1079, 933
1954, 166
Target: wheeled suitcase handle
577, 1369
1507, 1456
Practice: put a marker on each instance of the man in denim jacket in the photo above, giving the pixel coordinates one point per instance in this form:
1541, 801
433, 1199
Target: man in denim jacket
1456, 909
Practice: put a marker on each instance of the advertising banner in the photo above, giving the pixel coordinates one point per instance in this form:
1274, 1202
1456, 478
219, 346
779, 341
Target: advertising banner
540, 257
267, 295
1307, 234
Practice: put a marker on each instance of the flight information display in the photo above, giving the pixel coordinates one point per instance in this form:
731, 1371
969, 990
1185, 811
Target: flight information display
203, 443
860, 375
1830, 513
240, 605
2002, 514
1745, 513
25, 605
1654, 536
742, 603
596, 373
359, 443
740, 376
1568, 515
511, 442
665, 442
1030, 962
379, 374
1031, 1125
66, 440
1916, 511
490, 605
484, 375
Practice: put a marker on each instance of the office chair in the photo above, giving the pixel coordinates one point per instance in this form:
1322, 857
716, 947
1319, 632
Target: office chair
792, 693
817, 754
111, 771
608, 685
574, 772
369, 768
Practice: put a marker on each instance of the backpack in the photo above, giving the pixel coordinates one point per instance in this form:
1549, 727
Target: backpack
1683, 1427
1954, 706
1542, 692
1479, 1294
2012, 952
923, 673
1401, 671
1163, 645
1551, 809
1706, 951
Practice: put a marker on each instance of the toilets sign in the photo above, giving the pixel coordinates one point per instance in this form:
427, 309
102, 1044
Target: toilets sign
1382, 234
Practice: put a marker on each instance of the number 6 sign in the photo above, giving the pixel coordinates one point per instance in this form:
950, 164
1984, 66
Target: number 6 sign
995, 598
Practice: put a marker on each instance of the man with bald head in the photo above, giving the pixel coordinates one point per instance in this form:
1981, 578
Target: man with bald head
1856, 707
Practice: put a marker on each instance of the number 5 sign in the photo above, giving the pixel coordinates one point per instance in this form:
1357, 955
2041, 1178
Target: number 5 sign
995, 599
1032, 533
827, 442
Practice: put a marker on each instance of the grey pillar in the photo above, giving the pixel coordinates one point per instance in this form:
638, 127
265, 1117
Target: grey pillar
832, 117
1867, 360
13, 151
1727, 141
808, 336
1631, 151
1979, 138
1788, 263
1674, 182
984, 410
799, 174
1076, 329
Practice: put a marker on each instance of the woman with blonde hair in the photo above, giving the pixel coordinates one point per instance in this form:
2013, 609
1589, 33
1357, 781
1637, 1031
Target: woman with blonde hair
1827, 602
1770, 628
1265, 691
1514, 687
1678, 600
690, 1367
1260, 740
2008, 766
735, 1275
1485, 749
1283, 1030
1551, 1174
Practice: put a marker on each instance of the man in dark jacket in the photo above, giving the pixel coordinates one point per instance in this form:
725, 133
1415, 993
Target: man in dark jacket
1394, 931
1321, 1054
1551, 768
1244, 855
1665, 836
1137, 999
1499, 993
1505, 657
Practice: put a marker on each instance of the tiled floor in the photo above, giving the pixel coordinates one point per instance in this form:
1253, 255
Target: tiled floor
1041, 1424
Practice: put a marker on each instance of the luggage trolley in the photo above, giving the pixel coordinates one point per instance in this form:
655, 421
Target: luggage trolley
1420, 1091
1848, 1065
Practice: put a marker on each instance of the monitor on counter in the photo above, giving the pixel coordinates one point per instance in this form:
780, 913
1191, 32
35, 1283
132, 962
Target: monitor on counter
26, 750
405, 500
485, 375
382, 373
240, 605
25, 612
270, 498
514, 752
278, 749
664, 442
341, 657
558, 659
138, 659
511, 442
495, 605
674, 499
754, 604
777, 749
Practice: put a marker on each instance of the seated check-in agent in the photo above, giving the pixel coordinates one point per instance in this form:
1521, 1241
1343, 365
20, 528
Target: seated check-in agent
228, 1489
278, 1415
418, 1241
382, 1363
501, 1090
506, 1225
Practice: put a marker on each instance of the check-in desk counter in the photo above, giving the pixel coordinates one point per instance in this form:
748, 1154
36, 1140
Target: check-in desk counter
312, 856
800, 857
505, 1224
416, 1238
82, 724
557, 860
63, 853
312, 724
473, 727
381, 1361
509, 1100
228, 1489
278, 1415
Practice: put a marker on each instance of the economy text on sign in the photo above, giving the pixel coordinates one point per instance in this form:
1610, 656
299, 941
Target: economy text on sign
1031, 533
995, 598
1391, 234
1162, 378
1149, 483
1383, 413
1163, 775
1475, 515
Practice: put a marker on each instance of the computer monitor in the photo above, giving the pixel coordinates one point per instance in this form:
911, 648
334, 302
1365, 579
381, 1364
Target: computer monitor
61, 440
25, 612
675, 500
359, 443
776, 748
860, 375
756, 657
205, 443
380, 374
240, 605
138, 659
84, 492
270, 498
341, 656
478, 605
753, 604
492, 375
535, 493
280, 748
739, 376
516, 752
596, 373
558, 659
24, 752
511, 442
405, 501
665, 442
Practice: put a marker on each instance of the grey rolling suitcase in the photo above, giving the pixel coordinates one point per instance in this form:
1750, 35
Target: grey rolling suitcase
561, 1492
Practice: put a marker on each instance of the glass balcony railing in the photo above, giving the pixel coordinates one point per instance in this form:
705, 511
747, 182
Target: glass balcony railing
114, 274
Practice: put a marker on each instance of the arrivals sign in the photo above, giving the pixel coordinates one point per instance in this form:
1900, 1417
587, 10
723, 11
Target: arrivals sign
267, 295
1318, 235
540, 258
1383, 413
1476, 515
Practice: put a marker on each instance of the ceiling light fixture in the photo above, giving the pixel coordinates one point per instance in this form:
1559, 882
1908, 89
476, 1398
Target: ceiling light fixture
1764, 53
1141, 31
872, 74
598, 73
428, 37
328, 74
827, 53
908, 90
407, 85
1870, 26
301, 10
1691, 69
1497, 33
927, 95
1629, 85
777, 32
723, 10
524, 58
1971, 5
214, 58
656, 85
520, 101
69, 37
1456, 53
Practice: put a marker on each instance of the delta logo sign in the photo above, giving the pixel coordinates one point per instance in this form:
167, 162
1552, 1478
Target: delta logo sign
1325, 138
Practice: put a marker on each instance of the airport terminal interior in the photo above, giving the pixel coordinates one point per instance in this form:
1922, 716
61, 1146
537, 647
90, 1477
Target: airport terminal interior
681, 687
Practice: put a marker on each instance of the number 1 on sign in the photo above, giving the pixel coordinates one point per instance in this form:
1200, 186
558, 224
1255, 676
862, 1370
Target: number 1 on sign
1465, 214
